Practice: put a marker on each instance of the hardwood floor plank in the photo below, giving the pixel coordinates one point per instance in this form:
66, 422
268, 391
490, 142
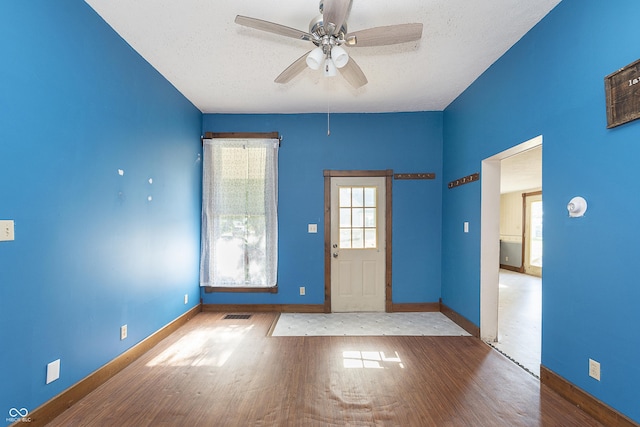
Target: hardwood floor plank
230, 373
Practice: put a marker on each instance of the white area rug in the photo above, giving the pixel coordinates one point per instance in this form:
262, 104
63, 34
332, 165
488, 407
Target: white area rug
366, 324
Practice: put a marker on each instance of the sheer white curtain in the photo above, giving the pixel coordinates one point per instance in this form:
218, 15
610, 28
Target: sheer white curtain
239, 213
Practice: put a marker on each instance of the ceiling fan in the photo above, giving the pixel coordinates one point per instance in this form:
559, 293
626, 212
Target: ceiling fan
328, 32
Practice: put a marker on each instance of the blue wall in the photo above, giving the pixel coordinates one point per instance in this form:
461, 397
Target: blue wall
552, 83
404, 142
91, 253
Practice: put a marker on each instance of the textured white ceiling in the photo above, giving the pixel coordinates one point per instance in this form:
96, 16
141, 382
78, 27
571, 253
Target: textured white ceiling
222, 67
522, 171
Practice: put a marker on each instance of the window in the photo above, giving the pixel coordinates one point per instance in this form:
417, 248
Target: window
358, 218
239, 213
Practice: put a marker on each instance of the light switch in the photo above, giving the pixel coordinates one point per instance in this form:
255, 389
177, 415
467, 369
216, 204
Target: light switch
466, 226
6, 230
313, 228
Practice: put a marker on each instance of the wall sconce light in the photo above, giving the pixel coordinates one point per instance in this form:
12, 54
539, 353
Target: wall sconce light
577, 207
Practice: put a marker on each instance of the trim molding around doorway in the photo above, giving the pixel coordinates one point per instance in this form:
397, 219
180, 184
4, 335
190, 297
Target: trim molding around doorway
490, 237
328, 174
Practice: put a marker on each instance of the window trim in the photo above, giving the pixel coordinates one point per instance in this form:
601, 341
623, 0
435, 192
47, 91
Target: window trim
214, 289
241, 135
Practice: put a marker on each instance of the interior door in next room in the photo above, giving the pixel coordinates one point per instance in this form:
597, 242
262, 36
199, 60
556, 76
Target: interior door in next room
358, 244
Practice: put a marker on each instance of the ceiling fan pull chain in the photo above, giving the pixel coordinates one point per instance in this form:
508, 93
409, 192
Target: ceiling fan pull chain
328, 123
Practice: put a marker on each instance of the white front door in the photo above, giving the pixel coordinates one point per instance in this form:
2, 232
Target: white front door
358, 244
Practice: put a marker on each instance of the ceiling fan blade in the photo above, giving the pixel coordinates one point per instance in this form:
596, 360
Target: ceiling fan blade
272, 27
383, 36
334, 13
293, 70
353, 74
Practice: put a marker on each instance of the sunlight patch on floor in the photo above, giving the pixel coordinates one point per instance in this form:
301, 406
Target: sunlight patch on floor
370, 360
221, 342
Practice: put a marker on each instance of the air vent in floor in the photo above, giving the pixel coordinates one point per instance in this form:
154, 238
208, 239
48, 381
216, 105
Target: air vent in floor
237, 316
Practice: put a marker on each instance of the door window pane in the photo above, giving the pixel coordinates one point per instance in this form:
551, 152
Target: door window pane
345, 197
357, 238
370, 238
357, 197
370, 218
345, 217
370, 197
345, 238
358, 217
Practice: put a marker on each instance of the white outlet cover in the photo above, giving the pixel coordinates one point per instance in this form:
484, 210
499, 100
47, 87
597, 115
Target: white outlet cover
7, 230
123, 332
594, 369
312, 228
53, 371
186, 298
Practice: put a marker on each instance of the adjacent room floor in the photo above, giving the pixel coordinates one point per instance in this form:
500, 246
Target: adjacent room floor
221, 372
520, 319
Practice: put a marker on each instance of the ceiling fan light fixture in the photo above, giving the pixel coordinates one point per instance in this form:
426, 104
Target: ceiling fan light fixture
315, 58
330, 69
328, 32
339, 56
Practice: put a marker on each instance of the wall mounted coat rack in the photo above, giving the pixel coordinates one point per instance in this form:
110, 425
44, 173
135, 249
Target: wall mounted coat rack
419, 175
464, 180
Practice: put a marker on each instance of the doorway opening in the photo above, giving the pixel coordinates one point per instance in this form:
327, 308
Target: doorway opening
510, 302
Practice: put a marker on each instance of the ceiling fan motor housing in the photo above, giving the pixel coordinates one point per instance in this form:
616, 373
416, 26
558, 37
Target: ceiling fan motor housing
322, 37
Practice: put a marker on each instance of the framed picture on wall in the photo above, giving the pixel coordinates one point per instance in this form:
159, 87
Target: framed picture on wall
623, 95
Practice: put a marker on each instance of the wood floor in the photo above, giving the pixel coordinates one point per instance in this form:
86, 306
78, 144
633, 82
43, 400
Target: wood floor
215, 372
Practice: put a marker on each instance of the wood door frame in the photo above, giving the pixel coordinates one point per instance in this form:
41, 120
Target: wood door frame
388, 175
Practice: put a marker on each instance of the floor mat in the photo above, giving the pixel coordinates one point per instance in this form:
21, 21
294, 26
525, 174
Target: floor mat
366, 324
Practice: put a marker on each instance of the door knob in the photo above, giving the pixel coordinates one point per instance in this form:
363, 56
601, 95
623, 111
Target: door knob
335, 254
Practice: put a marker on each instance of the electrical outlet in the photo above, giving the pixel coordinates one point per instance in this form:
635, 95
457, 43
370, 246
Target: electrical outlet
123, 332
302, 290
506, 258
186, 298
594, 369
